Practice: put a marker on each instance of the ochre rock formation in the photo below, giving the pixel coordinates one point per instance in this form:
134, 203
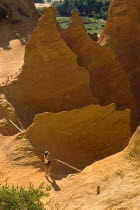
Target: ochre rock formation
7, 112
122, 27
122, 34
20, 20
112, 183
108, 80
19, 151
18, 162
28, 7
51, 79
81, 136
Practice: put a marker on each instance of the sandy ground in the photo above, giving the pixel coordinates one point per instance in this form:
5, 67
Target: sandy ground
13, 173
11, 59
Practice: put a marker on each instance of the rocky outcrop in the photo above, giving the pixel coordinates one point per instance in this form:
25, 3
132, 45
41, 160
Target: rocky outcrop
81, 136
50, 79
122, 27
20, 10
105, 184
25, 8
19, 22
108, 80
7, 112
122, 34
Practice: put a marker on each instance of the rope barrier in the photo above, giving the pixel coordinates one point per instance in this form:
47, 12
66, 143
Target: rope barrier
15, 125
42, 153
18, 35
9, 78
68, 165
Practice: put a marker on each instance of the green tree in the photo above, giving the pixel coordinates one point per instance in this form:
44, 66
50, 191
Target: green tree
103, 9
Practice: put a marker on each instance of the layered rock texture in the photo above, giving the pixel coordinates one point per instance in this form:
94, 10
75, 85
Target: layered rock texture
7, 112
113, 183
122, 27
122, 34
108, 81
50, 80
81, 136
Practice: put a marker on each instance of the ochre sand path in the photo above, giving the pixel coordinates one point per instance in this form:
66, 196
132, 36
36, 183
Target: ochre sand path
11, 58
22, 175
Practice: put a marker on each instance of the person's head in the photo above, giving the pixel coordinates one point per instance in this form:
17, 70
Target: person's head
46, 153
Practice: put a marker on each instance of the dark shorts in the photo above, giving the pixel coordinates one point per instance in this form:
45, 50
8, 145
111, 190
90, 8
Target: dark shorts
47, 165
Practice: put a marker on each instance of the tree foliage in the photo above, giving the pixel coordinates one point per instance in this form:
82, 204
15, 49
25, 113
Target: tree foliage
39, 1
91, 8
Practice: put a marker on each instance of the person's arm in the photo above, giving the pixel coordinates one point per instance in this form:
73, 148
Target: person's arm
44, 158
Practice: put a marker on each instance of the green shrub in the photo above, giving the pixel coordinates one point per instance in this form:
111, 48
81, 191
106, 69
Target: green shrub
20, 198
105, 15
39, 1
41, 9
104, 9
88, 8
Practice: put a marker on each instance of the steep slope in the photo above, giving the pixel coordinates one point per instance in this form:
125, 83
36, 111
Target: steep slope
21, 16
51, 79
13, 56
117, 176
80, 136
15, 28
108, 80
122, 34
12, 169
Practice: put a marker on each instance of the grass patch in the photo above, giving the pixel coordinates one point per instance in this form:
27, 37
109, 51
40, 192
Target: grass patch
91, 25
20, 198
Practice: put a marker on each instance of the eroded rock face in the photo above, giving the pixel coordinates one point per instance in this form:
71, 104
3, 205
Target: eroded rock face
51, 79
20, 10
28, 7
114, 176
122, 34
7, 112
81, 136
133, 149
20, 20
108, 80
122, 26
20, 152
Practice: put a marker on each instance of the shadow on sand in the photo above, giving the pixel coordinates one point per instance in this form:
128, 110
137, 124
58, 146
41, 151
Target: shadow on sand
53, 183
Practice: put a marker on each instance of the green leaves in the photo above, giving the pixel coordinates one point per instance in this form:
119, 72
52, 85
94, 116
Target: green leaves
90, 8
20, 198
92, 25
